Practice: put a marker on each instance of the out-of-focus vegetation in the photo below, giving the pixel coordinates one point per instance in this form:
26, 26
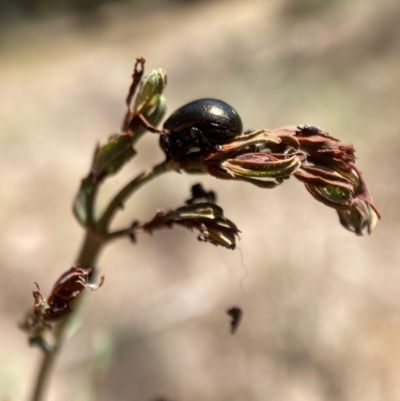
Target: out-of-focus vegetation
46, 8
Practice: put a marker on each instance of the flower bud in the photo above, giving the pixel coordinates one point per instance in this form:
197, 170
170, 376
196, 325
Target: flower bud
151, 88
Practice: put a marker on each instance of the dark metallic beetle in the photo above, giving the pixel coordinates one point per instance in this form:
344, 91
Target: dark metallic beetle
200, 126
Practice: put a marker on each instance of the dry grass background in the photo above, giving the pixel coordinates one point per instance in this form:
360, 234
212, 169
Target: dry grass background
321, 306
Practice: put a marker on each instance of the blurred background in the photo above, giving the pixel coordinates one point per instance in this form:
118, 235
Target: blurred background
321, 305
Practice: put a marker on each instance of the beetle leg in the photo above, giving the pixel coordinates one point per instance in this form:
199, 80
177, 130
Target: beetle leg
195, 133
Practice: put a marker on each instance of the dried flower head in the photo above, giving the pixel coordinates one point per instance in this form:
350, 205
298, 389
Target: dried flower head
58, 305
205, 217
267, 158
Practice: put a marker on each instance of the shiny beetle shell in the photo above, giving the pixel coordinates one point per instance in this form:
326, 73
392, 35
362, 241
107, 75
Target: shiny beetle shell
200, 126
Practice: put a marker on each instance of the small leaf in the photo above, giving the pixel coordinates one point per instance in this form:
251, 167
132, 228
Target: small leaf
218, 236
360, 217
81, 204
261, 165
112, 156
334, 193
251, 142
208, 218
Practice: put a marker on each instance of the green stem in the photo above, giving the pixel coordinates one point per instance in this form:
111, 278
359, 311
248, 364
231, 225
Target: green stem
88, 255
119, 200
90, 251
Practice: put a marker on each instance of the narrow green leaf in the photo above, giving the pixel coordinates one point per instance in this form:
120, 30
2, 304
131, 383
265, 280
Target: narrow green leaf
81, 204
113, 155
334, 193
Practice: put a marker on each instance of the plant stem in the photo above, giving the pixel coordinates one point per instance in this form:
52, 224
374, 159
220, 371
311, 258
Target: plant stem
118, 201
90, 251
93, 243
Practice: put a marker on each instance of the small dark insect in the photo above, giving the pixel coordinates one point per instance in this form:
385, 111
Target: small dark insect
67, 288
199, 194
200, 126
236, 314
308, 129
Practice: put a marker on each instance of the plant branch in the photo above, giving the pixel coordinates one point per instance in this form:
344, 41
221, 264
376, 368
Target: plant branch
90, 251
124, 232
90, 206
88, 255
119, 200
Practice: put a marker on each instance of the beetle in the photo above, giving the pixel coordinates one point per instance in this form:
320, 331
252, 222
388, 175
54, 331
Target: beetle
200, 126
